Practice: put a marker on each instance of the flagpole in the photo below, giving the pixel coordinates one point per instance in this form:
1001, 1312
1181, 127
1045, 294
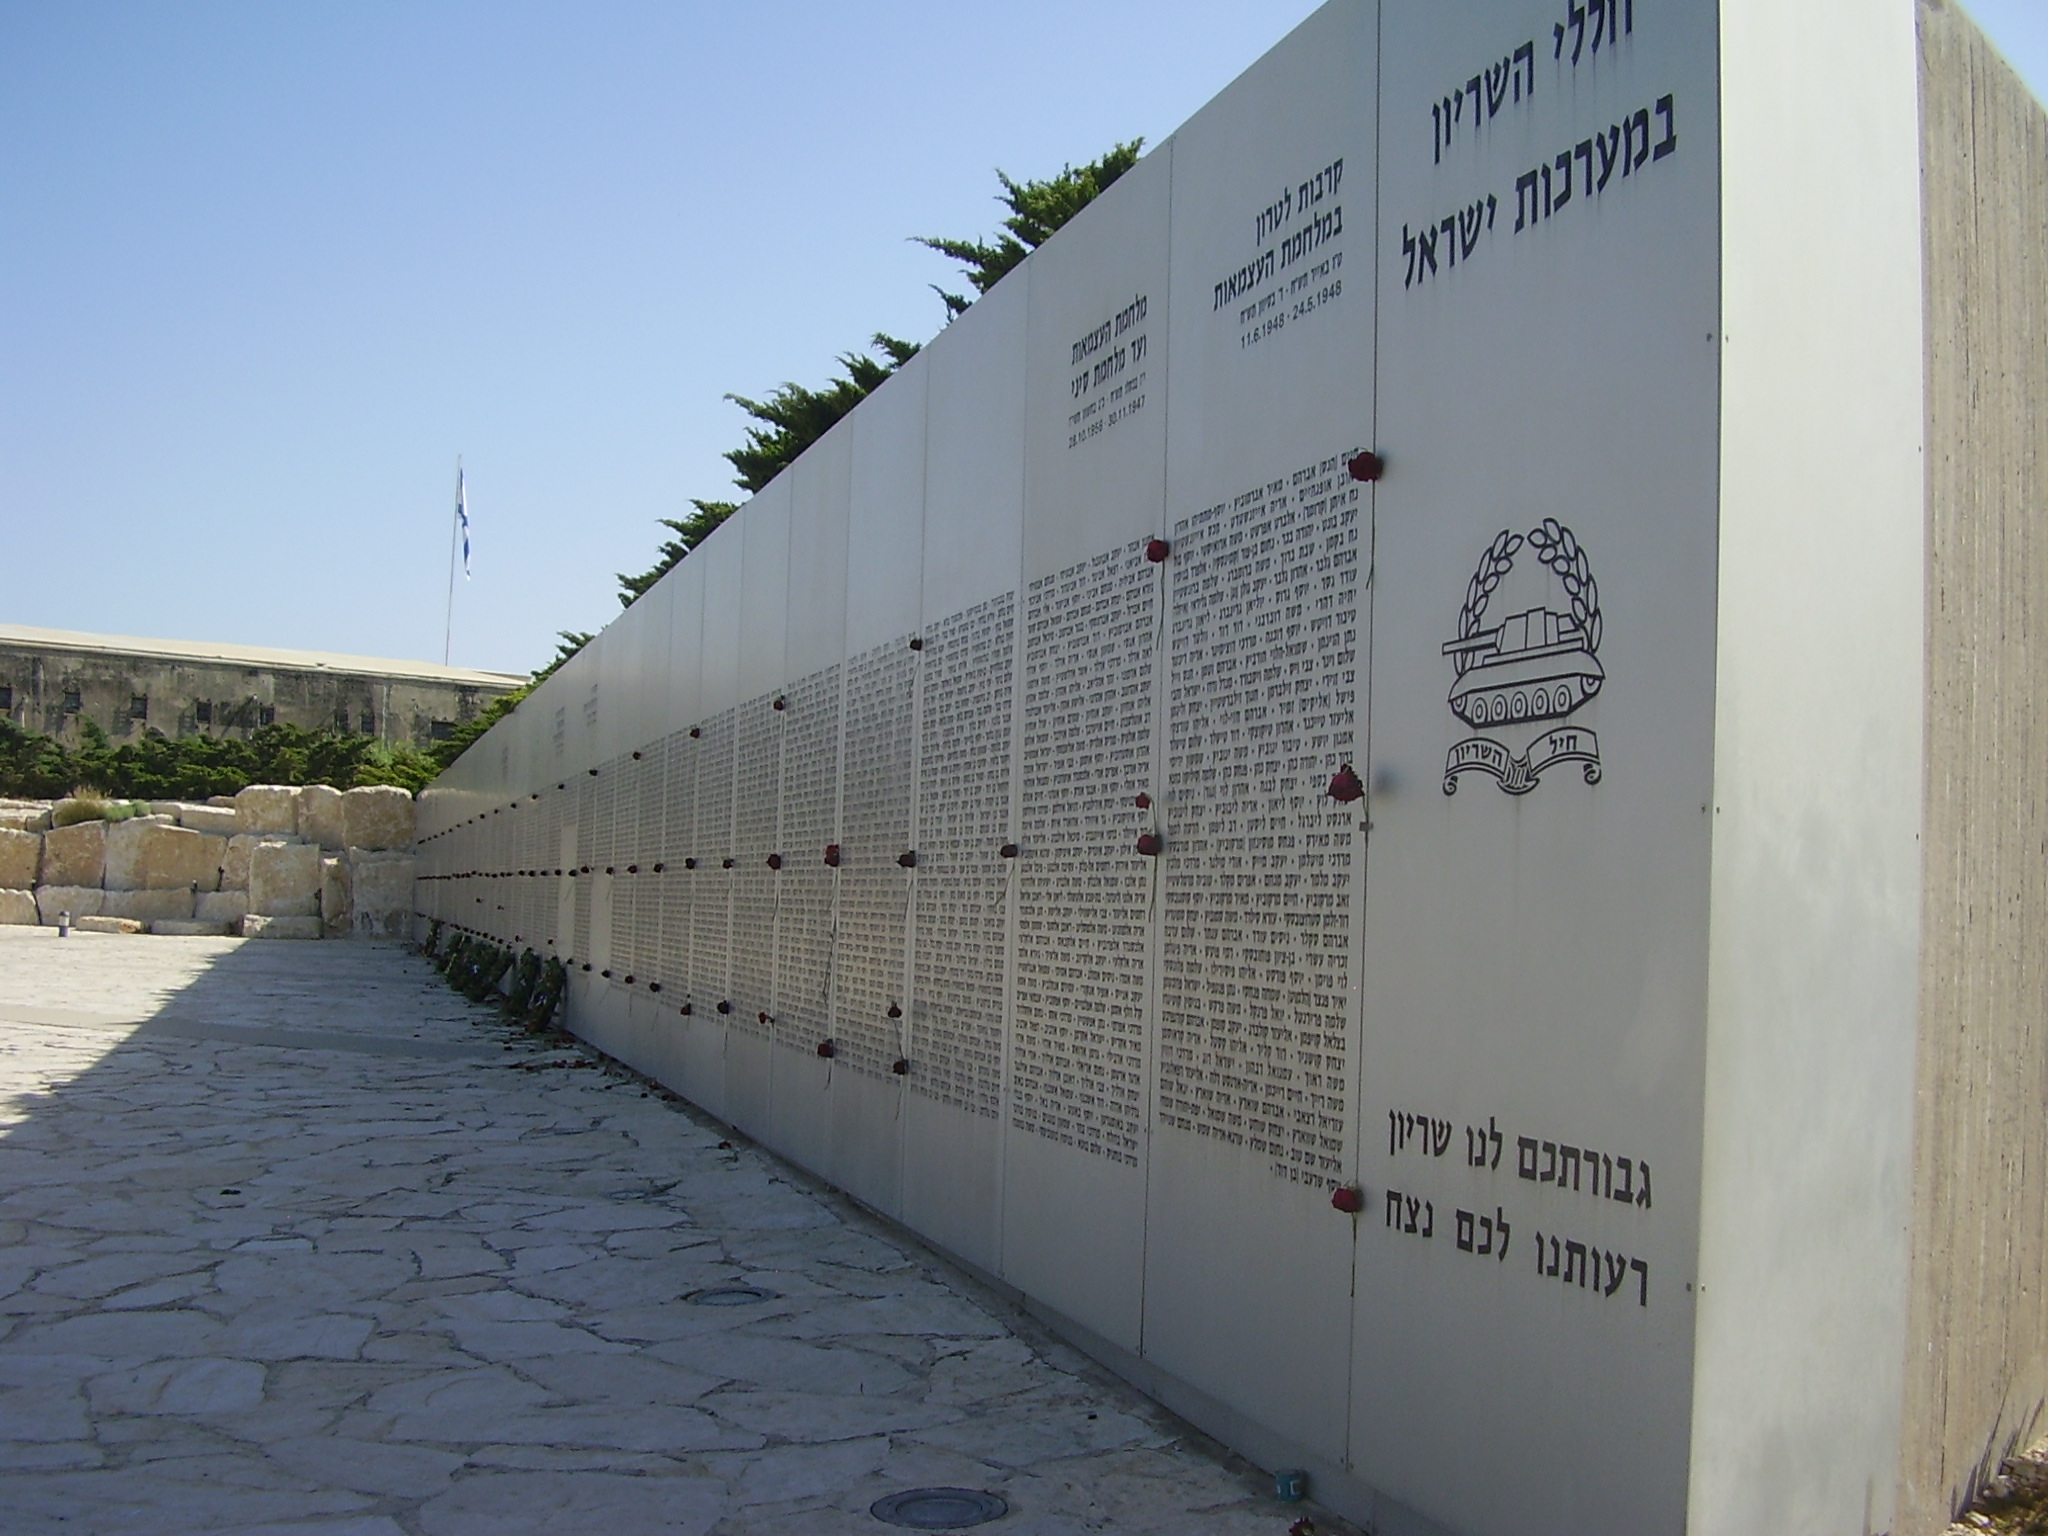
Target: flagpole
454, 532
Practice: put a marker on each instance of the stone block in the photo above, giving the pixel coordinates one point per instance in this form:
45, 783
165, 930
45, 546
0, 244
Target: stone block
222, 800
224, 907
377, 817
148, 906
78, 900
380, 894
27, 817
21, 859
320, 816
75, 855
151, 854
175, 928
209, 818
18, 907
335, 902
255, 927
234, 864
268, 808
107, 925
284, 880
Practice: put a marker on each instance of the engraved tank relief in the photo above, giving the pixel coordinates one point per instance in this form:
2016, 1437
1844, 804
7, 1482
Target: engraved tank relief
1537, 665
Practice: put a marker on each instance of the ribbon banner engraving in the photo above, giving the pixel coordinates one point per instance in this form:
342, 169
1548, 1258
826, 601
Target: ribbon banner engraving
1519, 775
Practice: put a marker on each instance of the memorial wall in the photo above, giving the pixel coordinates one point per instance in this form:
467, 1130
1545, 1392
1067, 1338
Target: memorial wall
1270, 790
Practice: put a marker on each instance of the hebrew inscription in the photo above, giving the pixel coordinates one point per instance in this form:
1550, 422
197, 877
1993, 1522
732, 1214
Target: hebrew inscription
523, 837
1575, 1171
672, 880
963, 821
1256, 1038
1597, 159
586, 841
757, 792
1466, 109
874, 883
710, 887
1582, 1170
1298, 261
609, 815
542, 824
639, 810
805, 884
1591, 1268
1085, 892
1110, 366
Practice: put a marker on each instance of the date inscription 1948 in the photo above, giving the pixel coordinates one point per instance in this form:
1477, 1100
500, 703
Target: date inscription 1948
1297, 270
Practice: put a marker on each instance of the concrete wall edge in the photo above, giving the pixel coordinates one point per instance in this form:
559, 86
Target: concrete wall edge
1813, 1014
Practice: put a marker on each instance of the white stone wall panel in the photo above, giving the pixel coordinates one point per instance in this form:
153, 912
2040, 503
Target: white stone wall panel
1628, 884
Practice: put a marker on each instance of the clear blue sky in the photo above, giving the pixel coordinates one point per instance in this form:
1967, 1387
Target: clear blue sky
266, 269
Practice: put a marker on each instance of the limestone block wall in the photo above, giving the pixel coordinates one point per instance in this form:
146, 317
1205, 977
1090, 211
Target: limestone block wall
275, 861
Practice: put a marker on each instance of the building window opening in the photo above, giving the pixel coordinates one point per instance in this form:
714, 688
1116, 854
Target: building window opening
341, 718
72, 702
202, 711
6, 696
266, 714
369, 724
138, 706
442, 730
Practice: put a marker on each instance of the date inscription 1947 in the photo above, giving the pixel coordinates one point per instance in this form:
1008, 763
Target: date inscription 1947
1108, 383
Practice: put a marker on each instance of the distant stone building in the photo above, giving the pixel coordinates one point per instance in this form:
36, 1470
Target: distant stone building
53, 680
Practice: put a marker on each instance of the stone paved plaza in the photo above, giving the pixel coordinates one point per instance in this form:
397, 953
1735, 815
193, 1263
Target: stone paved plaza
293, 1239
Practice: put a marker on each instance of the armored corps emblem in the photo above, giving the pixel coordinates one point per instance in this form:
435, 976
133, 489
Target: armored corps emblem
1526, 668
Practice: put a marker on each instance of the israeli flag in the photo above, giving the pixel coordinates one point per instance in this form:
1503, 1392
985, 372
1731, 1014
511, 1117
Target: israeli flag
462, 518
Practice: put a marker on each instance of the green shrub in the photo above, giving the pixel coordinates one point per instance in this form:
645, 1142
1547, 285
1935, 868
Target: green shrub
525, 977
32, 766
159, 767
81, 805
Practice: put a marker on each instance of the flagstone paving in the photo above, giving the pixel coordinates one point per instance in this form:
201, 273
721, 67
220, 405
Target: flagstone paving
293, 1239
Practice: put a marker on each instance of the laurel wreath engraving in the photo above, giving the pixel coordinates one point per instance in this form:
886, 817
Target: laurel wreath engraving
1558, 548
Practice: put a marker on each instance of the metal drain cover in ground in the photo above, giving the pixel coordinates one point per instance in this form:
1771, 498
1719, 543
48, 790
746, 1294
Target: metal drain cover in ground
729, 1296
939, 1509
